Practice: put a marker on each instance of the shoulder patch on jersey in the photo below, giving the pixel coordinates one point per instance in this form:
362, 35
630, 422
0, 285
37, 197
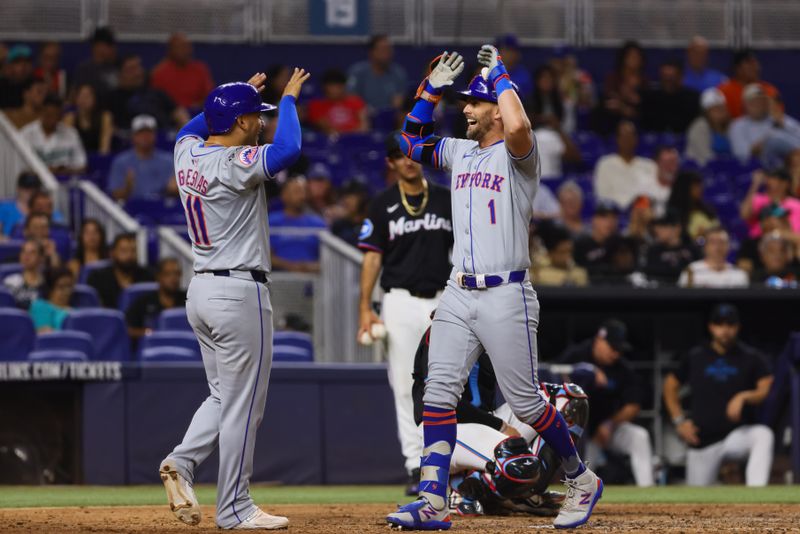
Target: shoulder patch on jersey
366, 230
249, 155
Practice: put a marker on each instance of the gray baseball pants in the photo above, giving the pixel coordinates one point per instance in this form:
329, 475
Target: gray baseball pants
503, 320
232, 318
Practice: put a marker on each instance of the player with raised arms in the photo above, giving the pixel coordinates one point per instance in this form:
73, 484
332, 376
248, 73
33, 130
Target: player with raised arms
221, 170
489, 302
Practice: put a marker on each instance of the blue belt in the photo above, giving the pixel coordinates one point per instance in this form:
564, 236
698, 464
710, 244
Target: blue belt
486, 281
258, 276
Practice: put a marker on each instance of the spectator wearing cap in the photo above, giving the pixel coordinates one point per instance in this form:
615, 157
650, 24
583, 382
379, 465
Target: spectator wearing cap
321, 195
714, 271
778, 262
777, 191
570, 201
353, 198
187, 81
294, 230
621, 177
14, 211
558, 268
669, 106
49, 69
774, 219
100, 70
509, 49
34, 92
670, 253
337, 112
16, 74
697, 74
616, 400
592, 250
57, 145
727, 382
686, 199
746, 70
378, 81
143, 171
707, 137
764, 131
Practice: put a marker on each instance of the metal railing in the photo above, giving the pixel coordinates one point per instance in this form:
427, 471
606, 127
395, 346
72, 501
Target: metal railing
657, 23
16, 156
90, 201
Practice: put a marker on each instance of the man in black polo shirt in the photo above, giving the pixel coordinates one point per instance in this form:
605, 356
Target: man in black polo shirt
727, 380
616, 400
143, 312
408, 233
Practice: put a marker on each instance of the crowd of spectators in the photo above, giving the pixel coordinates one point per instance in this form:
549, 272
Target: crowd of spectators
631, 212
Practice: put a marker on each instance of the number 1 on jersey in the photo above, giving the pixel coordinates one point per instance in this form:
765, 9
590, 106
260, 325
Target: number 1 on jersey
197, 220
492, 215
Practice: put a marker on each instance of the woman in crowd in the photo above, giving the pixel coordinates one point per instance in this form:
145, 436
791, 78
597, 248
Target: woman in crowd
26, 285
49, 314
686, 199
621, 91
94, 125
92, 246
778, 191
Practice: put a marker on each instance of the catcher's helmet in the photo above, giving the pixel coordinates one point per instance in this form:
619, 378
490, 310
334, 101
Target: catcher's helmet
515, 469
482, 90
230, 100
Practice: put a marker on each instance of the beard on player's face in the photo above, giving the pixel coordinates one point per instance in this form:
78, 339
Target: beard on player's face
480, 118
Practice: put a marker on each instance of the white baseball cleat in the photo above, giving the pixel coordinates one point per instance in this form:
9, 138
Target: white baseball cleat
582, 494
180, 494
260, 520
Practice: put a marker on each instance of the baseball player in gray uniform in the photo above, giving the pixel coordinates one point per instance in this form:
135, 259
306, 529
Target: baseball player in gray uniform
221, 170
489, 302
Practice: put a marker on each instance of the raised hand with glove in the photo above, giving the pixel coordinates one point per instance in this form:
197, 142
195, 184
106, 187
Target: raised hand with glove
444, 70
493, 69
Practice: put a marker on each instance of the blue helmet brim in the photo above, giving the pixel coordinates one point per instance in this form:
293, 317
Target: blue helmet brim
463, 95
267, 107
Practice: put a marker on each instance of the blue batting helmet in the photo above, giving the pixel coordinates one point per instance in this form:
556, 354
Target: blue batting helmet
229, 101
480, 89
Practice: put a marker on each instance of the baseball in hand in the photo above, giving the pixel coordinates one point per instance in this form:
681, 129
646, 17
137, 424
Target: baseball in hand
485, 73
365, 339
378, 331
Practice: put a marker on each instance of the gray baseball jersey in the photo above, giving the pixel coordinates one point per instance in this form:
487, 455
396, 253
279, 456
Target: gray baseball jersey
226, 209
492, 196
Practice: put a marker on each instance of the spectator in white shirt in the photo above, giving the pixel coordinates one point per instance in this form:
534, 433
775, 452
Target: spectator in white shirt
659, 187
620, 177
714, 270
57, 145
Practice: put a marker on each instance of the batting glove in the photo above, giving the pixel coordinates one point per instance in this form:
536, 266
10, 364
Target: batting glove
493, 69
446, 71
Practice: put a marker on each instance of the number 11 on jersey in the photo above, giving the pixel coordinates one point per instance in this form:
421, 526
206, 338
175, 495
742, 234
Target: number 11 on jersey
197, 220
492, 214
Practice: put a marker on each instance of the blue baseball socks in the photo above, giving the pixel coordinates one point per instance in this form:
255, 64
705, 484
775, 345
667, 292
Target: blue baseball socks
439, 425
553, 429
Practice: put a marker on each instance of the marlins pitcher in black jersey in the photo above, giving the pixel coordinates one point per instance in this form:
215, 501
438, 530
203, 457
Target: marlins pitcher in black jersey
408, 234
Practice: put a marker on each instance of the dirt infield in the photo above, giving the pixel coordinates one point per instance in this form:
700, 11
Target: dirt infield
350, 518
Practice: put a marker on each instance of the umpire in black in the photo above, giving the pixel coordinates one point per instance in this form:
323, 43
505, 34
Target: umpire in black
408, 233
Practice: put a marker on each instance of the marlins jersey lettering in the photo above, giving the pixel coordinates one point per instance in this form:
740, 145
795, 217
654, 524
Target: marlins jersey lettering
492, 195
222, 193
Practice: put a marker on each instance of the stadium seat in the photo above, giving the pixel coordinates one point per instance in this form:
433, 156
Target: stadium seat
169, 354
288, 353
84, 296
293, 339
9, 251
174, 319
107, 329
71, 340
17, 334
57, 355
7, 299
134, 291
170, 338
89, 267
9, 268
